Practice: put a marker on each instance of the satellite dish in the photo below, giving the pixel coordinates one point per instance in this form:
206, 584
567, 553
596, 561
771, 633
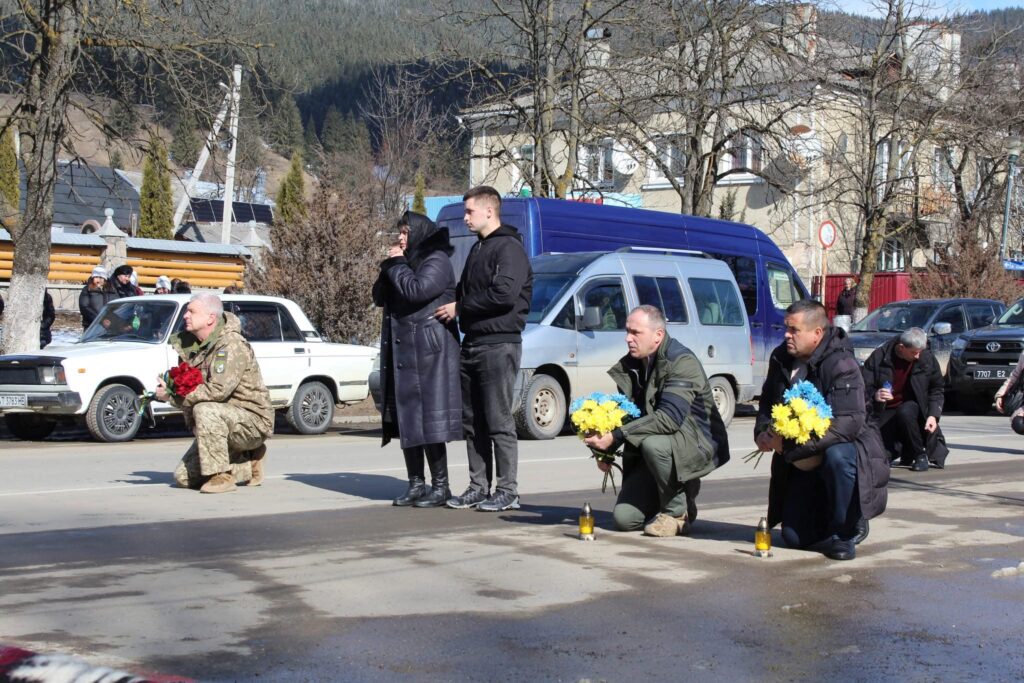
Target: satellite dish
623, 161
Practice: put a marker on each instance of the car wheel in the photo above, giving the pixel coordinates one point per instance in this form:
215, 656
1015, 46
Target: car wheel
29, 427
725, 398
113, 414
541, 413
312, 409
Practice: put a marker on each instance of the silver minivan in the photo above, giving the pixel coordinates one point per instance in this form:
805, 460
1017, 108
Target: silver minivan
576, 329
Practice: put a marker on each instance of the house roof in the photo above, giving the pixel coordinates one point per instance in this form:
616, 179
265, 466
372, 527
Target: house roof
83, 192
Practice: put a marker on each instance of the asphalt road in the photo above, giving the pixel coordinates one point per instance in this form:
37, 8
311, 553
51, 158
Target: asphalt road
315, 577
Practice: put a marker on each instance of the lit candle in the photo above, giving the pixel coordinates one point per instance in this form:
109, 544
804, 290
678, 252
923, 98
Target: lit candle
763, 539
586, 523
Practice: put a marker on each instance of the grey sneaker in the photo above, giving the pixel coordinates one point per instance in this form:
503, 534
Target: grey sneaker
501, 500
469, 499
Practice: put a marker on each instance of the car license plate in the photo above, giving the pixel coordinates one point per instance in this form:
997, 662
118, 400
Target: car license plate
13, 400
991, 374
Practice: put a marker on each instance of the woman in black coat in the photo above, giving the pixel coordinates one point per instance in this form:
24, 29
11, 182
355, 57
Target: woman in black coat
419, 356
94, 296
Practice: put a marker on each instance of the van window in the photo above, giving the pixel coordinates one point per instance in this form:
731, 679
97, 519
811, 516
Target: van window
608, 298
780, 284
716, 302
665, 294
745, 271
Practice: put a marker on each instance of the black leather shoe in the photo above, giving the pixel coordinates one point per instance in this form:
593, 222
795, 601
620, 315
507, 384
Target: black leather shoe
841, 550
437, 497
417, 489
863, 528
920, 465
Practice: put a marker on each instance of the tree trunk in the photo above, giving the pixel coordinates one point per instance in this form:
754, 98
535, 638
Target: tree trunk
873, 238
41, 122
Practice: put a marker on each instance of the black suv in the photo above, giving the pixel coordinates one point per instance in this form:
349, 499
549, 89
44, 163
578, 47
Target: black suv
982, 359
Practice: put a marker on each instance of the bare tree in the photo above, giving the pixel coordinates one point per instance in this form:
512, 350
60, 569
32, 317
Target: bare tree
535, 77
898, 98
327, 261
63, 56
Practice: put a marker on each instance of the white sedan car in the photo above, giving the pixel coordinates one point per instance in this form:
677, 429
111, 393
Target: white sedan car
100, 378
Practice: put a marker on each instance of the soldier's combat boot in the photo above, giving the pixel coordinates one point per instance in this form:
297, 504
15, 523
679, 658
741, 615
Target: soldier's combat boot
219, 483
437, 459
665, 525
256, 457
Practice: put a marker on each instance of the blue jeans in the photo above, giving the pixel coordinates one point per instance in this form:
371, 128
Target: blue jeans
823, 502
488, 380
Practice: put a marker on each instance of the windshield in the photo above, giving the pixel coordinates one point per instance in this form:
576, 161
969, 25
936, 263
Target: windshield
547, 290
140, 321
1014, 314
896, 318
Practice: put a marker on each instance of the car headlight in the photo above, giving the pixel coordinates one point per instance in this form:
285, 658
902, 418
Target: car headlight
52, 374
960, 344
861, 353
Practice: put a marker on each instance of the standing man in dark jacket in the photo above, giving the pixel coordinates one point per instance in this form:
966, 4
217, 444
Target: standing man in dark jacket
904, 388
824, 491
46, 322
846, 303
492, 301
678, 438
419, 356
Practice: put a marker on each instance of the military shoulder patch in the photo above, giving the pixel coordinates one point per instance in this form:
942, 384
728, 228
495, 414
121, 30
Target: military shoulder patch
220, 361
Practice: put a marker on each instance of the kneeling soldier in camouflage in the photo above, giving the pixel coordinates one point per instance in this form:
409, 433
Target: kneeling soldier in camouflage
230, 412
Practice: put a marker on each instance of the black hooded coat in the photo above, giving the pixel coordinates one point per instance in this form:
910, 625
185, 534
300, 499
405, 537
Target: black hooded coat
419, 356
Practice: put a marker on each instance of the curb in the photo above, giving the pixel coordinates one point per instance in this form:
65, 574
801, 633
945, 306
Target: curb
356, 419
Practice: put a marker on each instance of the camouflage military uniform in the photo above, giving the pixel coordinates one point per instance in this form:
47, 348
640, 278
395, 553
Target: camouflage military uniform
230, 413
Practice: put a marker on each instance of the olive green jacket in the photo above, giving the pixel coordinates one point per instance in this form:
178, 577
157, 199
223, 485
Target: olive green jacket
230, 372
676, 401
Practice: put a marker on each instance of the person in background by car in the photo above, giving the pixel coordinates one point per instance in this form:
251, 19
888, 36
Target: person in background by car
846, 302
1017, 418
46, 322
94, 296
120, 283
422, 401
163, 285
903, 386
182, 287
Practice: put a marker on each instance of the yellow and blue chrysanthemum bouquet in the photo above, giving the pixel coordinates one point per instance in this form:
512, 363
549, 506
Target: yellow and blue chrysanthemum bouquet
600, 414
802, 414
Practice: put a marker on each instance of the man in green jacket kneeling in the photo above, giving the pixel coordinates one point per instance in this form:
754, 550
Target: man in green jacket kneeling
678, 438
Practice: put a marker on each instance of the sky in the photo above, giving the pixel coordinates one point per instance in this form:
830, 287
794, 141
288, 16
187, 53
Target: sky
937, 7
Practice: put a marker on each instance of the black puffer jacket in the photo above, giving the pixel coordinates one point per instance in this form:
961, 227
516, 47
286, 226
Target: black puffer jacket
926, 389
833, 369
419, 356
90, 301
495, 289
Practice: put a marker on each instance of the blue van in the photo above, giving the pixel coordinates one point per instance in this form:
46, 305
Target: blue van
767, 282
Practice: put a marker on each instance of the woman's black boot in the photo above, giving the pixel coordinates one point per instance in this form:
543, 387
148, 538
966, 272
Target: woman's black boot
417, 486
437, 458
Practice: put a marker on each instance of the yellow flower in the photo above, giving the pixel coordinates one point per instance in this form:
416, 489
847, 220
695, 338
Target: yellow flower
780, 411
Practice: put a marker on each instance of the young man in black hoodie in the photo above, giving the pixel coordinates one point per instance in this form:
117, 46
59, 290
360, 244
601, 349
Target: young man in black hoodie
491, 303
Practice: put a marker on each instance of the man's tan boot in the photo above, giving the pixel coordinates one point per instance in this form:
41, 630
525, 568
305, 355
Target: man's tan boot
257, 455
219, 483
665, 525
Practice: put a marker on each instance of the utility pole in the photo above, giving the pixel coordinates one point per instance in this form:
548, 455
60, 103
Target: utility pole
229, 174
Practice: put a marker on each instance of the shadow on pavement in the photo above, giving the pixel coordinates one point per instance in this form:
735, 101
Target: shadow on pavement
148, 477
937, 487
985, 449
369, 486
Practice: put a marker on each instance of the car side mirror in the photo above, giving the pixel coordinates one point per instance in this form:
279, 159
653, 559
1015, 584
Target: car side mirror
941, 328
591, 318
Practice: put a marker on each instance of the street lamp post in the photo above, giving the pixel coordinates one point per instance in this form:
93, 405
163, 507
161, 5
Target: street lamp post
1013, 149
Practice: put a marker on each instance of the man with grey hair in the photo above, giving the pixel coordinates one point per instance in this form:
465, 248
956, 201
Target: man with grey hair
904, 390
230, 412
678, 438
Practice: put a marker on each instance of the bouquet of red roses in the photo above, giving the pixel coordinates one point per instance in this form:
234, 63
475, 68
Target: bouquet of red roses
180, 381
